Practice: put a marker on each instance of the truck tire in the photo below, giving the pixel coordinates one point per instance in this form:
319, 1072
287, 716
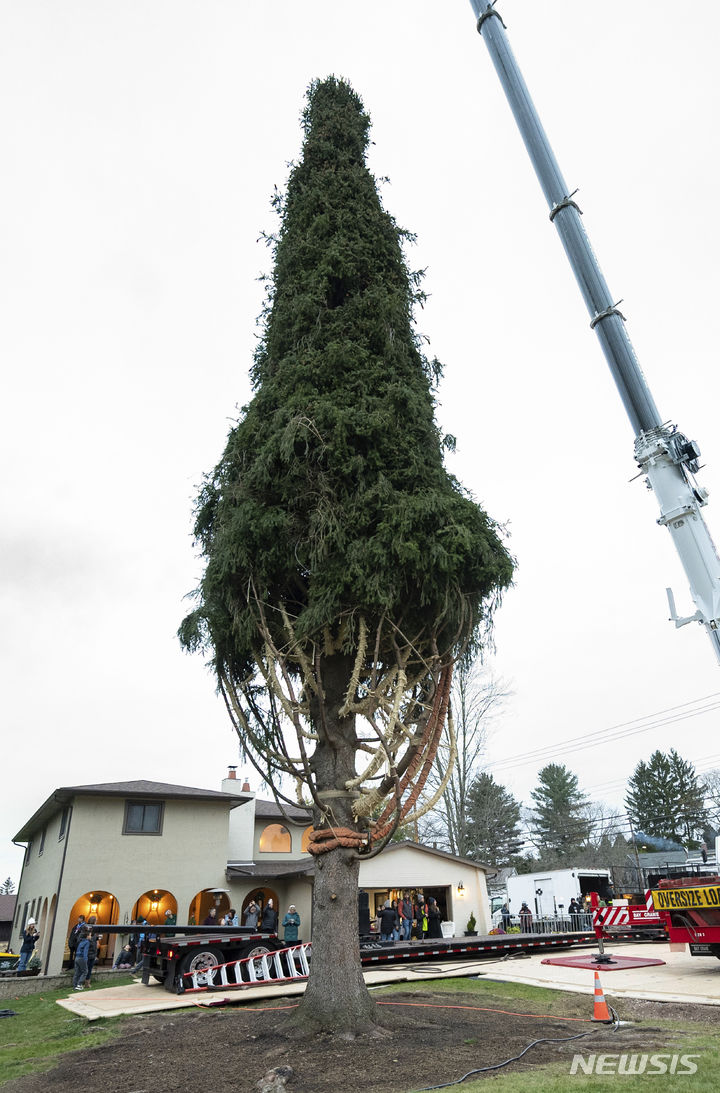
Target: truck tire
256, 949
209, 956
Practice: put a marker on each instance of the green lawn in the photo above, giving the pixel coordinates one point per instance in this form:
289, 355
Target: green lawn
688, 1038
556, 1077
42, 1030
30, 1042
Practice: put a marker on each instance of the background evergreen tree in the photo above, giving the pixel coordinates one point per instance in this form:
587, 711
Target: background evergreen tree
558, 819
345, 569
493, 822
665, 799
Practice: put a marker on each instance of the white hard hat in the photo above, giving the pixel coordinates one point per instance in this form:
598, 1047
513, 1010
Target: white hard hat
31, 922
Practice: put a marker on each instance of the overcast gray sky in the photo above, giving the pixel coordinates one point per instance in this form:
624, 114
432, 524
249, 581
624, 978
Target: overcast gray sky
141, 144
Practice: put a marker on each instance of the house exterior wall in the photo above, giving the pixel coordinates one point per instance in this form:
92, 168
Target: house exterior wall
188, 856
288, 890
198, 839
241, 832
296, 834
408, 867
39, 881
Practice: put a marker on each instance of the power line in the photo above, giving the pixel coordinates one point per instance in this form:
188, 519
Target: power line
605, 736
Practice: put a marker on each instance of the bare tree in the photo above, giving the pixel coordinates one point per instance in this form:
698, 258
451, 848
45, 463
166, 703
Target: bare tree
711, 781
476, 699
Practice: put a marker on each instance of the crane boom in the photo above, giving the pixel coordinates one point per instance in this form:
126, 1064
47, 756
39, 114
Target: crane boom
666, 457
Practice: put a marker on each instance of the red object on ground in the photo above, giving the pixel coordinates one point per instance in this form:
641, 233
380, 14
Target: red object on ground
619, 963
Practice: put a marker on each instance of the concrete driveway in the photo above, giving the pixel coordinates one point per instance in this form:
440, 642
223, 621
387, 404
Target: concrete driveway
683, 978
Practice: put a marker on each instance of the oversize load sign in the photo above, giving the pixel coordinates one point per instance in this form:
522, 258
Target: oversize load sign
680, 899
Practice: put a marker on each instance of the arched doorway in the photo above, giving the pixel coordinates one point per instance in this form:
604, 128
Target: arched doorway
99, 907
260, 896
42, 928
203, 901
153, 906
51, 927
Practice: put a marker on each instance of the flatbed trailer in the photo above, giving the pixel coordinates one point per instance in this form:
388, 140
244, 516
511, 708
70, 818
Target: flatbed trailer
170, 959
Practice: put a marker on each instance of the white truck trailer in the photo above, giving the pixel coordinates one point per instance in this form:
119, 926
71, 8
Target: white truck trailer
548, 893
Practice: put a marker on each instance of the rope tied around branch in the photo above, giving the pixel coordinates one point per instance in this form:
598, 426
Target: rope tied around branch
330, 838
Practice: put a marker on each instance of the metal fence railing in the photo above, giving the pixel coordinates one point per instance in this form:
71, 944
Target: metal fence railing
550, 924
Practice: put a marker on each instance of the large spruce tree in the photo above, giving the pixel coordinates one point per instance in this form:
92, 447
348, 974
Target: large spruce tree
665, 799
559, 820
345, 568
493, 822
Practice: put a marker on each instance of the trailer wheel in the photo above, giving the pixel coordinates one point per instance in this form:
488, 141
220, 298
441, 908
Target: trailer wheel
253, 951
200, 960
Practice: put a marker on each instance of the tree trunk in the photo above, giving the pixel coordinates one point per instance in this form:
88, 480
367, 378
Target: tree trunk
336, 999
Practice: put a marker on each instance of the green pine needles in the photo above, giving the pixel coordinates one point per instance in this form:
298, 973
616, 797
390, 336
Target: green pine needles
331, 501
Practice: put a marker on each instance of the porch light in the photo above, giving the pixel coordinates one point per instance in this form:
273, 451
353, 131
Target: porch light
461, 889
93, 901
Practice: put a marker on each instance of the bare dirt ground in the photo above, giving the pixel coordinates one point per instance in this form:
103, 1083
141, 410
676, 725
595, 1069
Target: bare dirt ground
430, 1039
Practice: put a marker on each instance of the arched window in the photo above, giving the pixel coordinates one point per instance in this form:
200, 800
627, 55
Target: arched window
306, 838
275, 839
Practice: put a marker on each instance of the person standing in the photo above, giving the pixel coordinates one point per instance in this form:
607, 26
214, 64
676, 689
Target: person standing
420, 916
387, 920
211, 917
74, 937
506, 916
291, 923
251, 915
30, 938
231, 918
81, 964
405, 911
170, 920
269, 918
525, 919
396, 931
433, 917
92, 953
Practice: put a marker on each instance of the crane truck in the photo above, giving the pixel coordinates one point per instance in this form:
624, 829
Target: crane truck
668, 460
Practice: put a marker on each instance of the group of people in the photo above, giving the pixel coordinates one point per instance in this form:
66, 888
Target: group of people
255, 917
83, 941
406, 918
83, 945
525, 916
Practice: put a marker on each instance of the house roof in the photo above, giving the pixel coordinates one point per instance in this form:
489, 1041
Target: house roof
306, 866
7, 907
63, 796
273, 869
652, 858
437, 853
271, 810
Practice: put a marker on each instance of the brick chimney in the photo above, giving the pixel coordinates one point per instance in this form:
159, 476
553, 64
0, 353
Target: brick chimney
246, 785
231, 772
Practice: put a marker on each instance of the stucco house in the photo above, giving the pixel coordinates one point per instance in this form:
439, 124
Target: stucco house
127, 851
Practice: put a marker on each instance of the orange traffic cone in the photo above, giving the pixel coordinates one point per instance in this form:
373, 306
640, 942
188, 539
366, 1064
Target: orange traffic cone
600, 1009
